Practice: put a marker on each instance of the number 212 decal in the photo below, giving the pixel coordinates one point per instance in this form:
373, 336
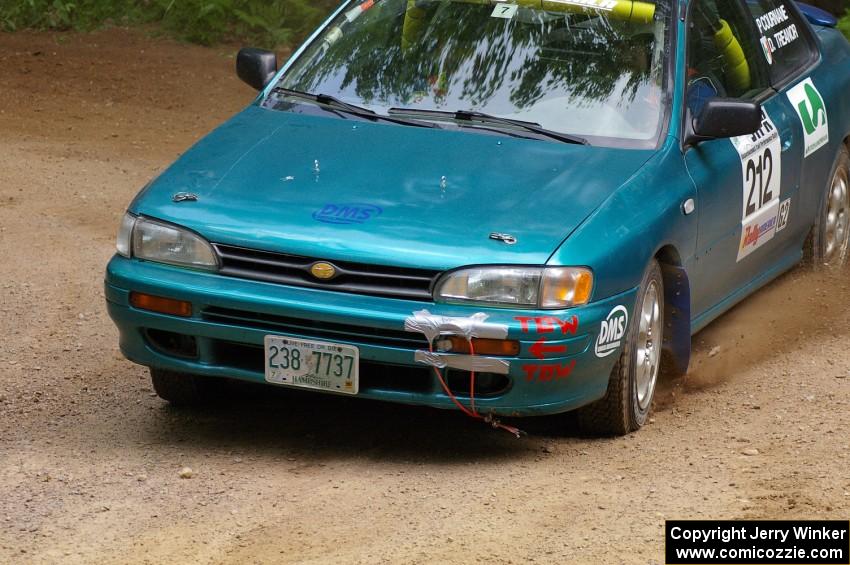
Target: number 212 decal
759, 175
761, 169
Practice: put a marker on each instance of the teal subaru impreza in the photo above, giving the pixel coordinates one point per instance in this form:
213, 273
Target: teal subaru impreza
508, 208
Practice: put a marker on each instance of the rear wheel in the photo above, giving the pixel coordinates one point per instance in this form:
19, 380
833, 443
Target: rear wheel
631, 386
180, 389
831, 234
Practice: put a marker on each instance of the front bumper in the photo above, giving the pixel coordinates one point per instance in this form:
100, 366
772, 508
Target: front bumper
232, 316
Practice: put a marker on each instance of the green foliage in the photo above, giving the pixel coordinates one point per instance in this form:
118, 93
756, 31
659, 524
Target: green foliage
844, 24
265, 23
65, 14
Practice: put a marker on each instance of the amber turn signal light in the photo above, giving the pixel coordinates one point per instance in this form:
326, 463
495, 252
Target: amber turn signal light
482, 346
159, 304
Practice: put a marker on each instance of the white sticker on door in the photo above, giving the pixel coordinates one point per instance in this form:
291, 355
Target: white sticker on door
761, 169
809, 105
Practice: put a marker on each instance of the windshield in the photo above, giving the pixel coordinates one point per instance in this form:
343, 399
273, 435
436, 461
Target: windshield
589, 68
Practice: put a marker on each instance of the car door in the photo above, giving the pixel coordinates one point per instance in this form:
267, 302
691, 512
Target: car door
744, 184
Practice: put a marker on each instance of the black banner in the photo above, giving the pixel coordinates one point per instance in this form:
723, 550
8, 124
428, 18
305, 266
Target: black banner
759, 542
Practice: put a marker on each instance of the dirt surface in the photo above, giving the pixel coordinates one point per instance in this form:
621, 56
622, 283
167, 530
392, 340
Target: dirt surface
90, 458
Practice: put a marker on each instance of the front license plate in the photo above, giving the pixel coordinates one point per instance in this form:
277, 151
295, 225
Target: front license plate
316, 365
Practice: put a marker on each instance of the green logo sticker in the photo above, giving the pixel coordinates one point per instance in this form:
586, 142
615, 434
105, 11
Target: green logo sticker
809, 105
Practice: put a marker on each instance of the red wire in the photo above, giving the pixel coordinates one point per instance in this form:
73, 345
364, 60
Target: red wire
474, 413
454, 399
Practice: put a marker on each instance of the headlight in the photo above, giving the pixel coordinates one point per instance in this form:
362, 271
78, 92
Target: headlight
155, 241
522, 287
125, 235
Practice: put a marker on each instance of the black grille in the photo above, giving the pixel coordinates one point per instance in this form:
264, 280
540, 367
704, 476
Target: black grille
174, 344
355, 278
316, 329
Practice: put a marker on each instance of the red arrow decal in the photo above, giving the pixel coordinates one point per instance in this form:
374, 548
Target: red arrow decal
540, 349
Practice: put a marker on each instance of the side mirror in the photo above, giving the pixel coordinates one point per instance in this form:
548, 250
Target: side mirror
255, 66
725, 117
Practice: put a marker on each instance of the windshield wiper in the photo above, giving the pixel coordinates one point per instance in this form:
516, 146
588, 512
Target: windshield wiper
353, 109
487, 119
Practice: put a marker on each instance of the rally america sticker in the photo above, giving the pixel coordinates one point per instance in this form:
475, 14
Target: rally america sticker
611, 332
809, 105
761, 169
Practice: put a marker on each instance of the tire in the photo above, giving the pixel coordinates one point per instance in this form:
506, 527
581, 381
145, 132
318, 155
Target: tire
179, 389
829, 245
628, 400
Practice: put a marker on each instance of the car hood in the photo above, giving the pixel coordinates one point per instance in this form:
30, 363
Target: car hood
382, 193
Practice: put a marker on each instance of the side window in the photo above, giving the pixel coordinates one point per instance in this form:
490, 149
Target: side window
724, 57
786, 41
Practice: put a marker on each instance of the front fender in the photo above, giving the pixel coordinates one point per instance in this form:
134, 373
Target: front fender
641, 217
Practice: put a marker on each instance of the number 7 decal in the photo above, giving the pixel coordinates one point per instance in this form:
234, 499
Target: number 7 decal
506, 11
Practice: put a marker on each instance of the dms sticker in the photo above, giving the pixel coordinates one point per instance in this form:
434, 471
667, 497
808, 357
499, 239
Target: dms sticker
611, 332
346, 213
761, 170
809, 105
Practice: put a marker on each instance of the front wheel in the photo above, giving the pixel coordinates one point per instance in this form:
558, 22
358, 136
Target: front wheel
831, 235
179, 389
631, 386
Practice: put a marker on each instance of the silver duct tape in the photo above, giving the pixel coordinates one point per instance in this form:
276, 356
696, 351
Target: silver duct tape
473, 326
462, 362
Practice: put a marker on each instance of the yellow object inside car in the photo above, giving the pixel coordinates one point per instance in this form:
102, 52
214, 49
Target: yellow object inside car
737, 68
414, 20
